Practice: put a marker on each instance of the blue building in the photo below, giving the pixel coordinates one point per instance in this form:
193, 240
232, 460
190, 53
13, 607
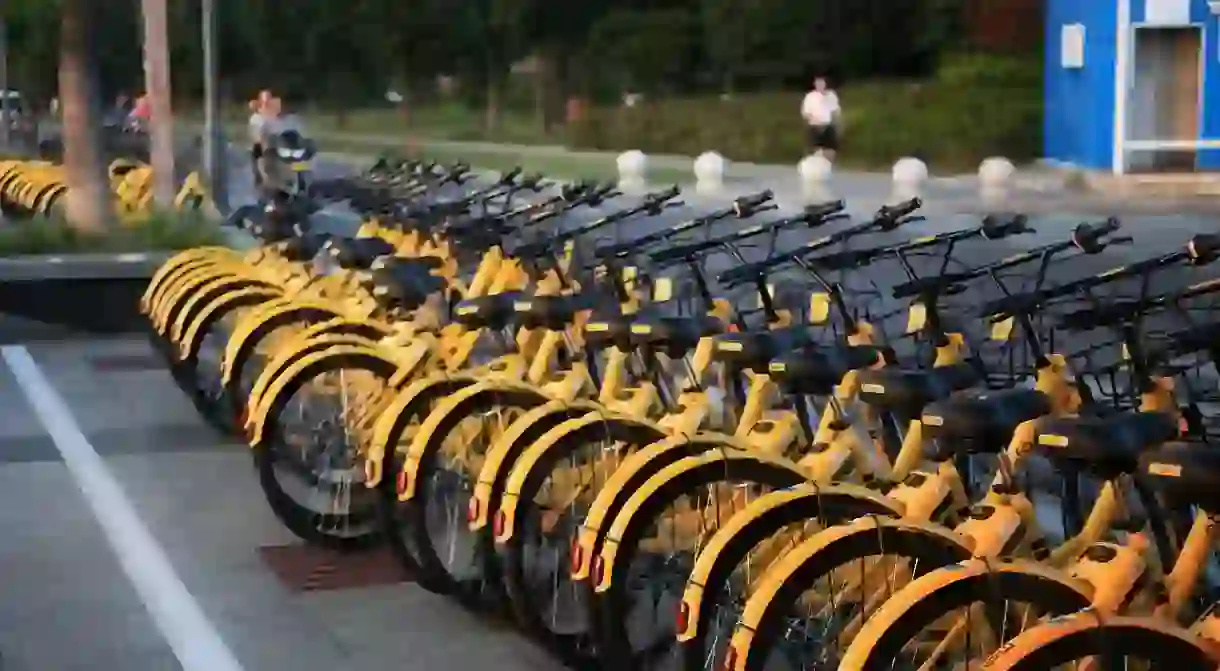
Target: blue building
1133, 85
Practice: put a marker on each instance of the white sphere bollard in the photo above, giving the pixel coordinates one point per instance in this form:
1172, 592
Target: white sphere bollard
909, 174
709, 169
815, 172
995, 178
632, 170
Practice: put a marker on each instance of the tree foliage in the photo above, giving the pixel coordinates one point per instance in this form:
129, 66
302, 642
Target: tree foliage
352, 51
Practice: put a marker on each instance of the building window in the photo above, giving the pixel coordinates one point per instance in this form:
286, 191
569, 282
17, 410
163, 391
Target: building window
1072, 46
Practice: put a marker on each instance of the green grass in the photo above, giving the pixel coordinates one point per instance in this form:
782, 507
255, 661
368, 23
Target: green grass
453, 122
162, 232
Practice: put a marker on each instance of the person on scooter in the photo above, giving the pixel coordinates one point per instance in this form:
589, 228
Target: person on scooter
286, 154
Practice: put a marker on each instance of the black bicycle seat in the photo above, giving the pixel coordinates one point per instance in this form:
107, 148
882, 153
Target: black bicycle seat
906, 392
1106, 446
494, 311
815, 371
608, 328
754, 350
553, 312
359, 253
979, 421
406, 283
675, 336
303, 248
1187, 473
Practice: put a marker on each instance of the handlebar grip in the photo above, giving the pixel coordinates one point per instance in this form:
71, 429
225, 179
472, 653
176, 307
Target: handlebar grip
899, 209
747, 204
995, 229
823, 210
1203, 248
662, 196
841, 260
741, 274
1087, 237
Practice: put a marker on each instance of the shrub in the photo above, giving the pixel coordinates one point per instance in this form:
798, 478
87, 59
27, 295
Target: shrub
974, 108
159, 232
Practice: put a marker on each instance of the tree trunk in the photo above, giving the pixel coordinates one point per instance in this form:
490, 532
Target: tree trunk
157, 80
87, 202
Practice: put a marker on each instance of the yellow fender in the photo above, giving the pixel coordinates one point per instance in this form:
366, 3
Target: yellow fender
261, 322
46, 199
1189, 649
285, 359
503, 454
169, 282
796, 565
175, 264
192, 193
450, 412
192, 337
633, 472
1022, 576
176, 292
623, 536
266, 409
276, 366
760, 520
312, 338
204, 294
561, 440
409, 404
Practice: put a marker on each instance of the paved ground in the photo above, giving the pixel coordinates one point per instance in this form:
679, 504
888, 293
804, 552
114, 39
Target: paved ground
66, 602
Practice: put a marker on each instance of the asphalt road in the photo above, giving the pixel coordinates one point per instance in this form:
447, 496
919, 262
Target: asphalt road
136, 539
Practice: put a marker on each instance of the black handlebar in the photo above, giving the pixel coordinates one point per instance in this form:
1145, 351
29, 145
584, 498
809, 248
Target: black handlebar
743, 208
888, 218
899, 210
1200, 250
652, 204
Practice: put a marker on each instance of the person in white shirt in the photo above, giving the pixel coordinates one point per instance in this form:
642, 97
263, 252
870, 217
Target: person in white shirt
260, 114
820, 109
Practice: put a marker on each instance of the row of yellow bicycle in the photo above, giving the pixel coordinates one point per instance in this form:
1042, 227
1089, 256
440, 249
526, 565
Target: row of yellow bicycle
719, 440
35, 188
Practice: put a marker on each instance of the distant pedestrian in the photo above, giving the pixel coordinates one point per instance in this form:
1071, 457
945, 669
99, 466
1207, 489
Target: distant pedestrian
257, 121
821, 112
141, 113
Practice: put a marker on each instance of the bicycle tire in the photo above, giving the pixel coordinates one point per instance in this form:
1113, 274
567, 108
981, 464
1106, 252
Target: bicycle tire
525, 481
642, 510
932, 596
1072, 638
307, 524
762, 622
410, 404
517, 438
627, 478
244, 341
426, 449
215, 407
735, 541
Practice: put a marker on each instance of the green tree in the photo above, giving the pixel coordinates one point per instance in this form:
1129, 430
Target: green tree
644, 50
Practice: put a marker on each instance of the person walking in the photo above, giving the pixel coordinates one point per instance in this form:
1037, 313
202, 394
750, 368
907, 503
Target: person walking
262, 111
821, 112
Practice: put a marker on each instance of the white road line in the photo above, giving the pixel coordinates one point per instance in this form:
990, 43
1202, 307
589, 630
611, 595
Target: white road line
175, 612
